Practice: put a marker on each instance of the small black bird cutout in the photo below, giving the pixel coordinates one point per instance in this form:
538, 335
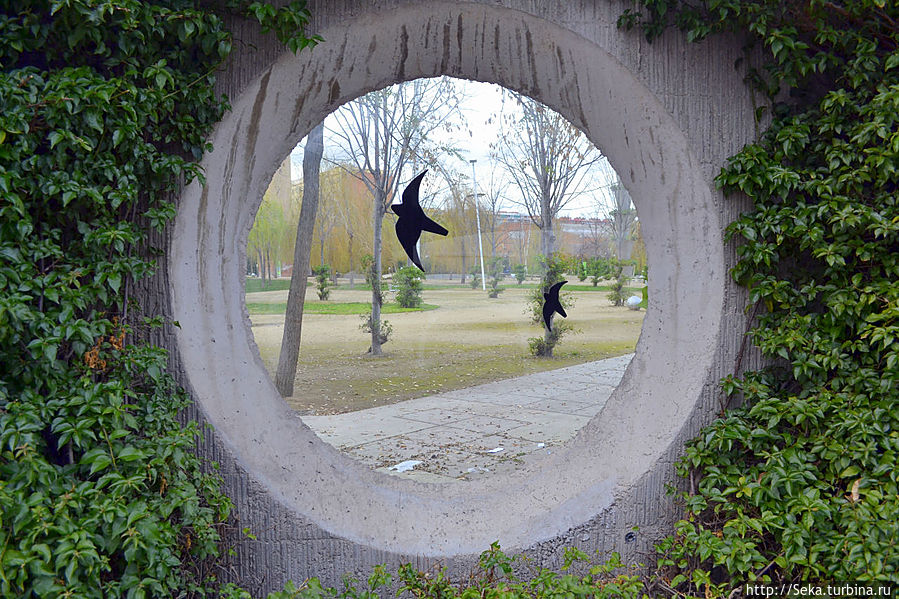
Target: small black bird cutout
412, 220
552, 304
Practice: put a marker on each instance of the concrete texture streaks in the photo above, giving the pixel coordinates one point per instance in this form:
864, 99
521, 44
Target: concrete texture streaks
666, 114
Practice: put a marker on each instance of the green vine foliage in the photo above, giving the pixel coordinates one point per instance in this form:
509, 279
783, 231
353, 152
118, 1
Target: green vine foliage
496, 576
800, 482
104, 109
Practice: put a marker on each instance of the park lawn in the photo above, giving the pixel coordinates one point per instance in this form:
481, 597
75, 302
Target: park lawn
256, 286
313, 307
333, 382
471, 339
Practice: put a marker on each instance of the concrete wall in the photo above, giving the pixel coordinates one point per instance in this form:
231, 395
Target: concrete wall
667, 115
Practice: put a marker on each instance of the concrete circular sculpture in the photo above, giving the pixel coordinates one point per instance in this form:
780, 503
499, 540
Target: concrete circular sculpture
681, 225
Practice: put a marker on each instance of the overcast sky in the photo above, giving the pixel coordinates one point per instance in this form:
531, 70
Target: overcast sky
481, 110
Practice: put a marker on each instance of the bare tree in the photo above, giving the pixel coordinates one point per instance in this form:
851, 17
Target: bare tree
381, 133
494, 197
549, 161
293, 318
596, 241
459, 215
620, 217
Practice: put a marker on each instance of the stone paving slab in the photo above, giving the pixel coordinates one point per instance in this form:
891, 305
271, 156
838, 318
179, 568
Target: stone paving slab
436, 415
479, 431
562, 406
349, 432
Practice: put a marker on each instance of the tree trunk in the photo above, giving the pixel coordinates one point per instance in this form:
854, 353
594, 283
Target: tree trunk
547, 236
262, 268
547, 342
462, 256
376, 278
293, 318
350, 250
548, 243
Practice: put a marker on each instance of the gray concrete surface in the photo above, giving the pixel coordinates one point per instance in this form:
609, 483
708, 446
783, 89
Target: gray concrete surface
667, 115
680, 223
487, 430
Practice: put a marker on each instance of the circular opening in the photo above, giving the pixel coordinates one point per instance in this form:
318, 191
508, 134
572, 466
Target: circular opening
468, 382
674, 354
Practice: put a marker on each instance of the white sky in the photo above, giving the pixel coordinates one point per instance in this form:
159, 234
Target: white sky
481, 108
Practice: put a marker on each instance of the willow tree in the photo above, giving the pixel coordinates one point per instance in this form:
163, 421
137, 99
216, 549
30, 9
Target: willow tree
269, 236
381, 134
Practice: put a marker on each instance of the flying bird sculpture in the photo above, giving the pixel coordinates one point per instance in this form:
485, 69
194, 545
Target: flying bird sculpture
412, 220
552, 304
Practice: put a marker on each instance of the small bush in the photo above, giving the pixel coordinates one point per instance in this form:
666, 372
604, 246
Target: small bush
323, 282
553, 269
599, 268
384, 329
475, 272
520, 271
409, 282
618, 295
581, 271
542, 347
496, 277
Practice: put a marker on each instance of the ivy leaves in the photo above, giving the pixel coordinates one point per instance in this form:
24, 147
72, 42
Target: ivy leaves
104, 108
800, 483
287, 22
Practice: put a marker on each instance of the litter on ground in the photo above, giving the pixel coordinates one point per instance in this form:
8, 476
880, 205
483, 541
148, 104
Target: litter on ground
405, 466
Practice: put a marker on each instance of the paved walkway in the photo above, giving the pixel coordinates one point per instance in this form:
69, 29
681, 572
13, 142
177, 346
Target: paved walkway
476, 431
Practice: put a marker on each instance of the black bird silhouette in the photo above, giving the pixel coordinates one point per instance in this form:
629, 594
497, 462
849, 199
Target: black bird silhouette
412, 220
552, 304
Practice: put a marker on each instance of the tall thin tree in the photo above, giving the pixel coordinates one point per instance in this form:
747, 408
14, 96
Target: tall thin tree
550, 161
293, 318
381, 133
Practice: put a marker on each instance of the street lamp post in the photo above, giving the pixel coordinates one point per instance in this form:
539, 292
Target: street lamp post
477, 213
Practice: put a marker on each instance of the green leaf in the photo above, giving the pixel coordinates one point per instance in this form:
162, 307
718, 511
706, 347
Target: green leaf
130, 453
115, 281
892, 61
55, 137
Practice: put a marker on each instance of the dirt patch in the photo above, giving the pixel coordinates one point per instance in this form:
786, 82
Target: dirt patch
470, 339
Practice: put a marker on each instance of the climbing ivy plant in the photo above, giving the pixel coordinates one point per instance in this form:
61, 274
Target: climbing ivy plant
799, 483
104, 110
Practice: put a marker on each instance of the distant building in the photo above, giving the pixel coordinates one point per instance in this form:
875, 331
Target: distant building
518, 238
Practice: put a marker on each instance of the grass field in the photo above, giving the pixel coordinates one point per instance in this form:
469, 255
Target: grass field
256, 286
330, 307
467, 339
